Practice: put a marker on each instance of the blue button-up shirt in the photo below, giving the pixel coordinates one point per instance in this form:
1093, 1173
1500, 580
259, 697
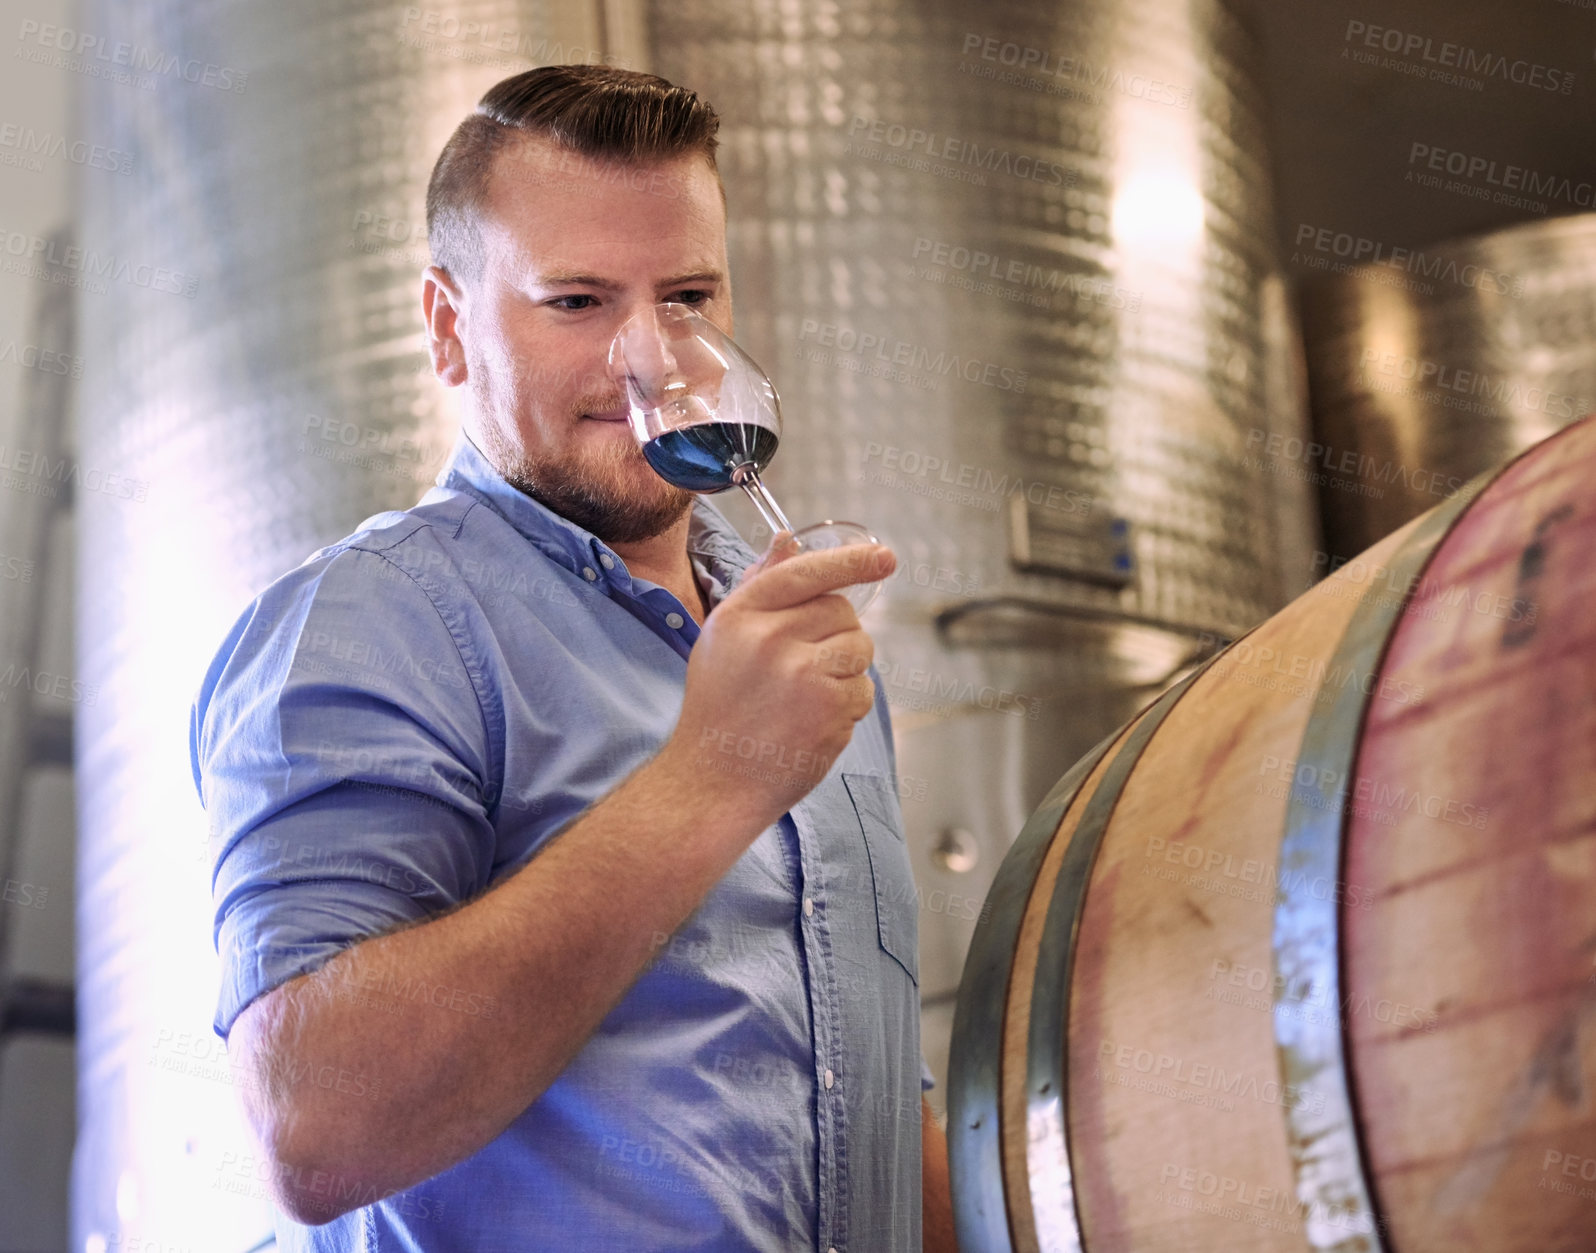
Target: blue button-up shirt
406, 719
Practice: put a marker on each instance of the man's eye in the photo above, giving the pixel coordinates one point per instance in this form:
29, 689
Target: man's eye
690, 297
573, 303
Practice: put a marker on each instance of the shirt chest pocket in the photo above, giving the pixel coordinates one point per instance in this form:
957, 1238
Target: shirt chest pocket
896, 900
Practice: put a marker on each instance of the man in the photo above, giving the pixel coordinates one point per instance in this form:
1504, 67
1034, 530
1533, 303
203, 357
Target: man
561, 886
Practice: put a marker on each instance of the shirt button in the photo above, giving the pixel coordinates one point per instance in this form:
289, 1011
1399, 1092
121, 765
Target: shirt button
809, 908
674, 621
607, 561
589, 573
829, 1078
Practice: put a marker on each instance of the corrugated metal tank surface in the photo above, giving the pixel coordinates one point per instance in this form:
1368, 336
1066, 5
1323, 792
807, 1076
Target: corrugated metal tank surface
1010, 265
1433, 365
267, 398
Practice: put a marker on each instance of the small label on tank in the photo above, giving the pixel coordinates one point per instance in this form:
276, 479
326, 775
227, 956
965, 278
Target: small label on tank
1093, 545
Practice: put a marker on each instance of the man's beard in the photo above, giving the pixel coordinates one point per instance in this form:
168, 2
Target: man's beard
601, 489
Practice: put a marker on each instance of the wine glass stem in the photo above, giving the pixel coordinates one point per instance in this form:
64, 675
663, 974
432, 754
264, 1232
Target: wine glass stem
747, 478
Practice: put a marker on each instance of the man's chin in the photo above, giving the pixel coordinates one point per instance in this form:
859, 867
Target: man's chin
635, 522
614, 510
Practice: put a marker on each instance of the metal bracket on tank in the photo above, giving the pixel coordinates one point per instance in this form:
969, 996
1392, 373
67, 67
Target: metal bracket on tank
1326, 1149
1009, 621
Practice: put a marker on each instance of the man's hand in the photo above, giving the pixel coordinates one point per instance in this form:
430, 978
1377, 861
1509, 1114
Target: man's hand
777, 679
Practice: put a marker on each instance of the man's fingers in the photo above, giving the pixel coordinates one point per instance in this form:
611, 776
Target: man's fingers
819, 619
781, 547
845, 655
865, 695
796, 579
858, 693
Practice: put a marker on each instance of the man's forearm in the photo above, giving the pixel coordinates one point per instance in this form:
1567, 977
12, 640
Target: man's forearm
555, 947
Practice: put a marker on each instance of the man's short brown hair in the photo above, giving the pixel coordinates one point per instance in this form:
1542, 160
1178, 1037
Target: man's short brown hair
595, 110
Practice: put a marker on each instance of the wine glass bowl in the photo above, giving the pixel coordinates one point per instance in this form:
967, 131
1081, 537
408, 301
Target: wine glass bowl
673, 364
708, 418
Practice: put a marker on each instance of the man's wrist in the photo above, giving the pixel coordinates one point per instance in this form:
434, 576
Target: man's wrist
721, 789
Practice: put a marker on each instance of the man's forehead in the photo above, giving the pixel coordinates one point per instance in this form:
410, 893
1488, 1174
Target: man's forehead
552, 208
583, 255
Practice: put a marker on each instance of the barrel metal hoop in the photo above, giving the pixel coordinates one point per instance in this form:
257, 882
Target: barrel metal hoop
975, 1145
1051, 1177
1333, 1185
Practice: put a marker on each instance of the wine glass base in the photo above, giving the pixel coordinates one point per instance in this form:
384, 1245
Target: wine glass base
823, 536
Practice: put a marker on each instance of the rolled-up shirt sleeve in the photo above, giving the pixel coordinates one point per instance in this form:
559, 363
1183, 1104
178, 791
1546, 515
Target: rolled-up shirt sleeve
341, 752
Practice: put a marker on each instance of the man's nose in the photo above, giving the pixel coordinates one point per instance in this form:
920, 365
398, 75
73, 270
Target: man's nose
641, 359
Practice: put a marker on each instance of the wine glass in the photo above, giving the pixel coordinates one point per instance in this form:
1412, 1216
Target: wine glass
708, 418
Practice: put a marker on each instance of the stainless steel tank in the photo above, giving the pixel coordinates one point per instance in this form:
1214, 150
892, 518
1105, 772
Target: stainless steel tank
255, 368
1011, 268
1430, 365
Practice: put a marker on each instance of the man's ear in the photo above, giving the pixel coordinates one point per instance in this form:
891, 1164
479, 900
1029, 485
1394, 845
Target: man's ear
441, 305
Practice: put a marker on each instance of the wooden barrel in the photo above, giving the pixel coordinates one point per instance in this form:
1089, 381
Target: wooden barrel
1302, 958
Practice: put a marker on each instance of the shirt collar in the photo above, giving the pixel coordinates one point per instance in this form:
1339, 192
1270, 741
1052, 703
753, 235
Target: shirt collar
709, 535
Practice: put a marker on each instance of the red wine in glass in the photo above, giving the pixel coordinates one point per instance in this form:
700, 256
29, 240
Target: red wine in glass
707, 456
